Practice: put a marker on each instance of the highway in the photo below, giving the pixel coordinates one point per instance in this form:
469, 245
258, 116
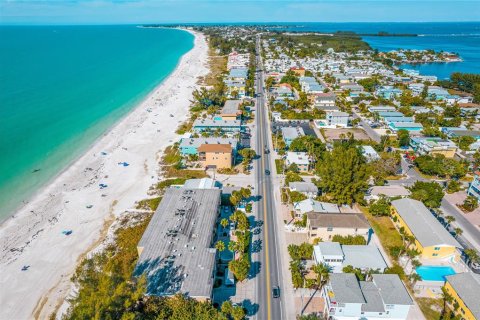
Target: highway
270, 269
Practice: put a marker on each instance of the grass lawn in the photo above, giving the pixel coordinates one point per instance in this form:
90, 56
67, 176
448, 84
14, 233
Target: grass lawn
171, 172
279, 163
426, 305
171, 155
385, 230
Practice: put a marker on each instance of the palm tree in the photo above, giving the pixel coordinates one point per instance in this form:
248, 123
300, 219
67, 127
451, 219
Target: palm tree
224, 222
322, 271
220, 245
449, 219
414, 277
458, 232
232, 246
447, 299
411, 254
415, 265
472, 255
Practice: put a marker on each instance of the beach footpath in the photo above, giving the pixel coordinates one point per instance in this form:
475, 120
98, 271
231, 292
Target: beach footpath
44, 241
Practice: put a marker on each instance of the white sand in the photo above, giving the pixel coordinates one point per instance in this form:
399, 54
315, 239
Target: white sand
34, 235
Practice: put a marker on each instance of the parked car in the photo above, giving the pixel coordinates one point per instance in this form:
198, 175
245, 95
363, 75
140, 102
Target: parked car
475, 267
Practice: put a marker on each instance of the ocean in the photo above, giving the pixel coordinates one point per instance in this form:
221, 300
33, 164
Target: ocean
62, 87
460, 37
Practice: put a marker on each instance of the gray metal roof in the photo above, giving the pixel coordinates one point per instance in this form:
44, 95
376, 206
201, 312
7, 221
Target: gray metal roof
426, 229
216, 123
292, 132
329, 249
303, 187
310, 205
390, 191
197, 142
231, 107
374, 302
364, 257
346, 288
391, 289
176, 249
467, 286
338, 220
203, 183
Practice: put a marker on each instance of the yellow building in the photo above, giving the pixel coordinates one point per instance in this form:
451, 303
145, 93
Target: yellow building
465, 291
215, 155
431, 238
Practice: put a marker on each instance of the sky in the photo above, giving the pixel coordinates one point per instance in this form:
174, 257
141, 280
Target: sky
183, 11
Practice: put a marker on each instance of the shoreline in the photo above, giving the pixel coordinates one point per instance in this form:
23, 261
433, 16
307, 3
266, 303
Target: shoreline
33, 234
91, 145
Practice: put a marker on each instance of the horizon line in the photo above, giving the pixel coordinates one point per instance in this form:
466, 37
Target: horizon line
220, 23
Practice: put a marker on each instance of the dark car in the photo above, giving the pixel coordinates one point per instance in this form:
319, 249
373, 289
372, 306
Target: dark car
267, 172
276, 292
266, 151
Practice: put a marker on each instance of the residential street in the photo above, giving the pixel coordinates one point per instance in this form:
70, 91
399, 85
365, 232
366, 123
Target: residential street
270, 272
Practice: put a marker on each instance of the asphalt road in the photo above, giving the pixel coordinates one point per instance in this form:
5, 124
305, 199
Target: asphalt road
371, 133
471, 236
270, 271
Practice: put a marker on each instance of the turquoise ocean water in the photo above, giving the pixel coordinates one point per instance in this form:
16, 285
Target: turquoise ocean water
61, 87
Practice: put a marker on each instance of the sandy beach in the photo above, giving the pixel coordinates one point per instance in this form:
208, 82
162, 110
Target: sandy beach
33, 236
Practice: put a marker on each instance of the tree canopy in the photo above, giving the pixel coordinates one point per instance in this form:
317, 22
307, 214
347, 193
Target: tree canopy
430, 193
343, 174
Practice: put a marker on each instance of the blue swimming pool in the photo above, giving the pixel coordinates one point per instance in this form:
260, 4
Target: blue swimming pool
434, 273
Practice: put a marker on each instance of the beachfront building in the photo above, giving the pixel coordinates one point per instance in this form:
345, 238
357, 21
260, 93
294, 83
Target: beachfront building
325, 225
210, 125
433, 146
189, 146
231, 110
306, 188
384, 297
291, 133
464, 289
218, 156
235, 89
176, 251
337, 256
432, 240
337, 118
300, 159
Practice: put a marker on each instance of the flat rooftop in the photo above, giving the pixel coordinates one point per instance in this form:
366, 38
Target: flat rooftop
176, 250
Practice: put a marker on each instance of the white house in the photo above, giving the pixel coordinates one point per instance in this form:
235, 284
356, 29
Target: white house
370, 154
306, 188
385, 297
301, 159
337, 256
338, 118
